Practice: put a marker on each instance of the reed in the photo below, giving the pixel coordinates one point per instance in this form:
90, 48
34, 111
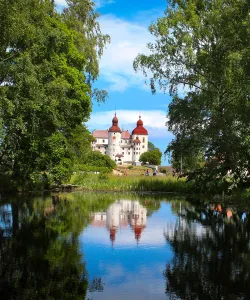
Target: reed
130, 183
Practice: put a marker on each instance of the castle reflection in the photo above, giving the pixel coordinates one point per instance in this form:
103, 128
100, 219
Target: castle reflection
121, 215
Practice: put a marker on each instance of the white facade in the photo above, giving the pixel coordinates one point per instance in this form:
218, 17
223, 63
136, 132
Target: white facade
120, 145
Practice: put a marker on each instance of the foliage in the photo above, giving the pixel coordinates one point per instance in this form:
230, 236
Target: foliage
201, 55
130, 183
152, 157
184, 164
151, 146
48, 62
166, 170
97, 159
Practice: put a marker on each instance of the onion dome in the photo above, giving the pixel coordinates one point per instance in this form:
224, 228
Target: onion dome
115, 127
140, 130
137, 140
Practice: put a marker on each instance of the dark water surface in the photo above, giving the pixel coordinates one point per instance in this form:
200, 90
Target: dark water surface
113, 246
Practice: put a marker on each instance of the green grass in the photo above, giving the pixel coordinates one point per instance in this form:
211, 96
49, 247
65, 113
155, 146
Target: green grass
127, 183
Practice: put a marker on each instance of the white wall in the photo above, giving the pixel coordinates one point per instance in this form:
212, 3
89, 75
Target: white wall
130, 151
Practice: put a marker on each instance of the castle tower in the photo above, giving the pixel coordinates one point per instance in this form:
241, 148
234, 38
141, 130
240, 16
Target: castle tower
140, 140
114, 139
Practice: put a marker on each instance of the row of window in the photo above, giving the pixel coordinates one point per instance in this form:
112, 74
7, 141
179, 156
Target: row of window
129, 153
122, 149
126, 141
103, 141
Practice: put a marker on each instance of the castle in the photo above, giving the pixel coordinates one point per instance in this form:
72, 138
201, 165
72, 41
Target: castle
120, 145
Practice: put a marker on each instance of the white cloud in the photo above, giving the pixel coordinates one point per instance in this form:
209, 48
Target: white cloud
101, 3
127, 41
153, 120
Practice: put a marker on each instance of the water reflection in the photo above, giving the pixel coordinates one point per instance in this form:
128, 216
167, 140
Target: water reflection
120, 215
211, 245
40, 254
101, 246
125, 246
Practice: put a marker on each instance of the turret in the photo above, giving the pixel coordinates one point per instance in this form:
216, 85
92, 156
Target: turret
140, 140
114, 139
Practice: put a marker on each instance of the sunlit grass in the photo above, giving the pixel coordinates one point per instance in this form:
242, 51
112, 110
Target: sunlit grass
130, 183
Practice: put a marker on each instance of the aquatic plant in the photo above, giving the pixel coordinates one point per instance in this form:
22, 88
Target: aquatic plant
131, 183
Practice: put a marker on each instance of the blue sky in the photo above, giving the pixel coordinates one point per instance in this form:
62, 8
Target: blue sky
127, 24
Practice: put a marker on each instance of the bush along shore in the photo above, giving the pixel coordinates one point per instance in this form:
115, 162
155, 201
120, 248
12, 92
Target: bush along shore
104, 182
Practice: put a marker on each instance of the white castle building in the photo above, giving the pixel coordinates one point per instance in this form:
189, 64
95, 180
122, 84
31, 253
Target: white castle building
120, 145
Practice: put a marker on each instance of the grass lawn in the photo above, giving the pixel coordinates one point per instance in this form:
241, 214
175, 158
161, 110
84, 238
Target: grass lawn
130, 183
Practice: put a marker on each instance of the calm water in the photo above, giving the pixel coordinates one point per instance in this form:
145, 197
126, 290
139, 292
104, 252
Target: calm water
102, 246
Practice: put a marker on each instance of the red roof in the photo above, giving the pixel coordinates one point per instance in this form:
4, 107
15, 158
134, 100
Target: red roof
140, 130
100, 134
115, 127
125, 135
137, 140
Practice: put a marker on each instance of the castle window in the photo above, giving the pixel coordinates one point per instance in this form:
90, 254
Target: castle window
103, 141
143, 140
128, 153
99, 147
143, 146
136, 152
122, 148
122, 152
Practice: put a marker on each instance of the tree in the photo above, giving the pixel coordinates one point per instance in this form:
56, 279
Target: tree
97, 159
151, 146
152, 157
184, 164
203, 46
48, 64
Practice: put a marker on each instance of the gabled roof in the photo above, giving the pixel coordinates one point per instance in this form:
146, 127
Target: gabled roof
125, 135
100, 134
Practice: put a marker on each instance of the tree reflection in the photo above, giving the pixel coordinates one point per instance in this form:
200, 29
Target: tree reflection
40, 256
211, 245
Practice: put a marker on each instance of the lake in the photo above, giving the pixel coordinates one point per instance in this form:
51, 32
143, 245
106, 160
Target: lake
123, 246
